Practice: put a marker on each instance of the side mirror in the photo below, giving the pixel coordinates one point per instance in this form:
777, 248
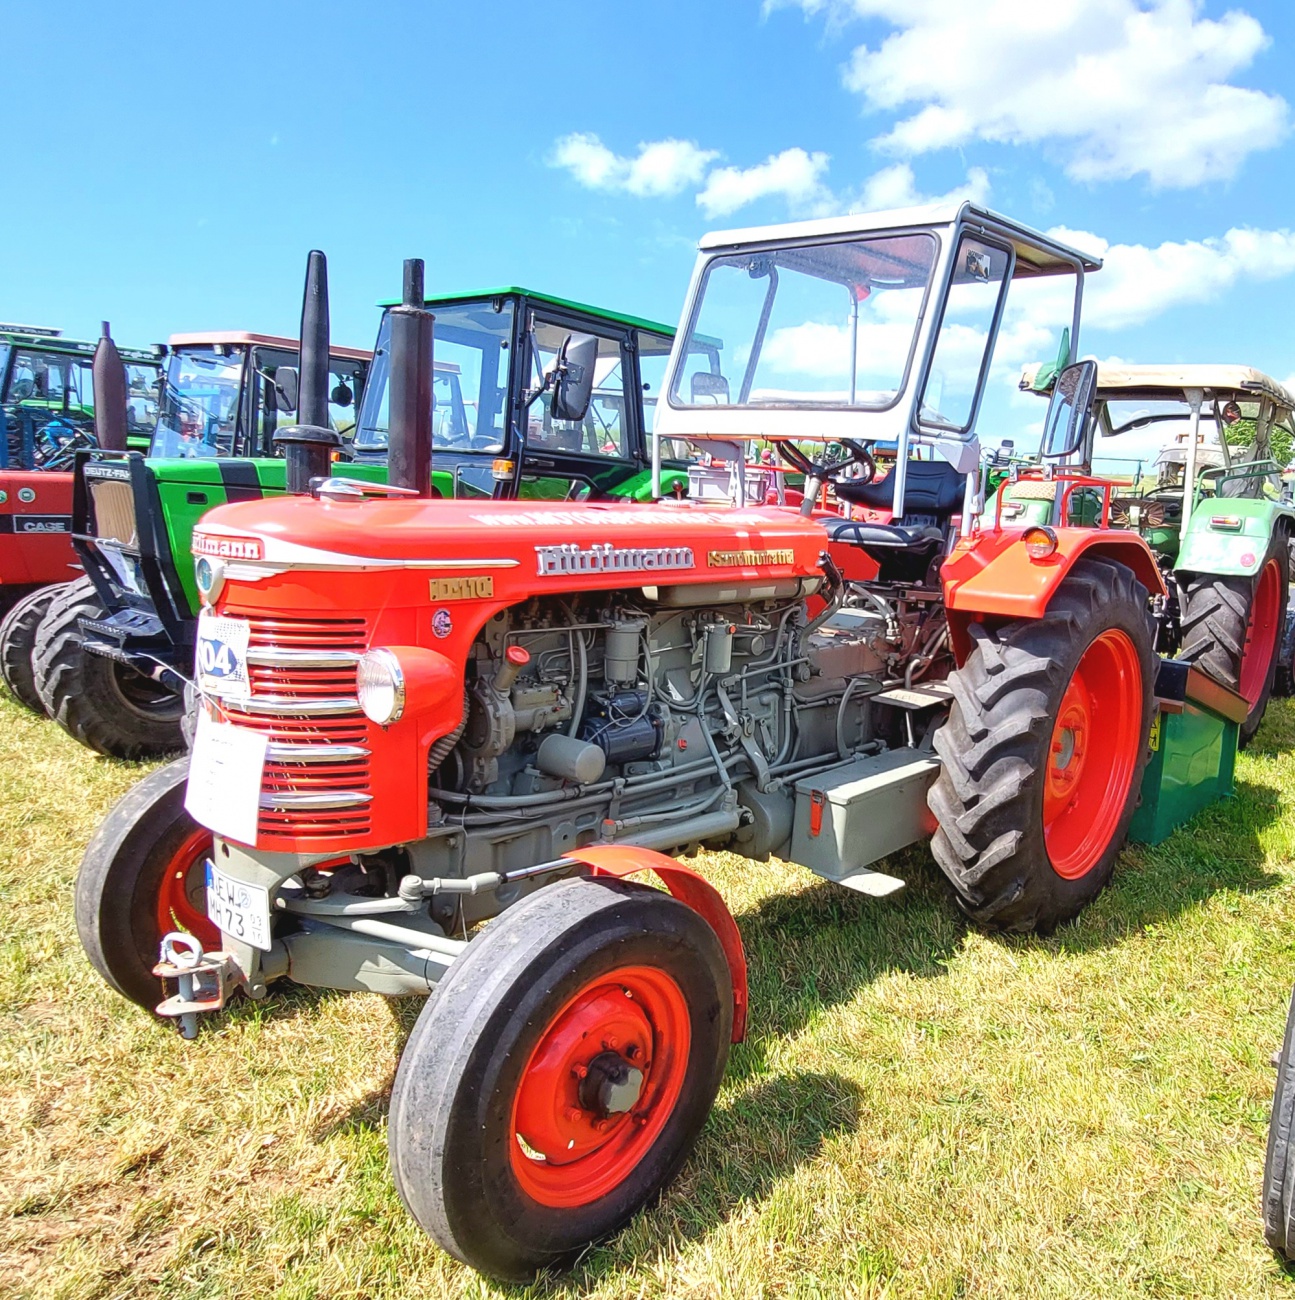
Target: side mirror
341, 394
705, 384
1069, 411
286, 385
573, 380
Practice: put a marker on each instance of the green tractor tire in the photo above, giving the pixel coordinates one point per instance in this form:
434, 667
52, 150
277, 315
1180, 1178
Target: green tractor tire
106, 705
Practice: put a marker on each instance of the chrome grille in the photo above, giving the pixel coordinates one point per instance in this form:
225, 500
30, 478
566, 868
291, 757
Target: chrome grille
316, 783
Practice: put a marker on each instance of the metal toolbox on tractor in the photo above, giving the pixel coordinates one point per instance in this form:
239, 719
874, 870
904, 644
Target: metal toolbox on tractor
857, 813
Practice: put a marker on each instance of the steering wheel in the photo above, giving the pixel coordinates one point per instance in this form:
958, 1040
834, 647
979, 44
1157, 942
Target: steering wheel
831, 469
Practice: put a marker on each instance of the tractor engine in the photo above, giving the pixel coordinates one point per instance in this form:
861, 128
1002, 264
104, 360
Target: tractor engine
601, 717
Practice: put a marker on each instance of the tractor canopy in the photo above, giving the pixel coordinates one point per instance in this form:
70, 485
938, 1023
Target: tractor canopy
493, 420
873, 327
47, 393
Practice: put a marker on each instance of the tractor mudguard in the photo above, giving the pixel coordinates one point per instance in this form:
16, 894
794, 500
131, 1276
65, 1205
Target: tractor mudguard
622, 860
991, 574
1236, 546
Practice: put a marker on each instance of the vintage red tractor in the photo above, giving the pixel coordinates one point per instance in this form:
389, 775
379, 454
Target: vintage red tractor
422, 715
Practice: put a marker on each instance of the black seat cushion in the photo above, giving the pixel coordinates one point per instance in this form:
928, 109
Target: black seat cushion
932, 487
887, 536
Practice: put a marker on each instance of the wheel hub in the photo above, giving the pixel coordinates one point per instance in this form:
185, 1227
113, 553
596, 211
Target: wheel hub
611, 1085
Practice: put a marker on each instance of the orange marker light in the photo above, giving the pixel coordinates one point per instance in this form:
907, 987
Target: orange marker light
1040, 543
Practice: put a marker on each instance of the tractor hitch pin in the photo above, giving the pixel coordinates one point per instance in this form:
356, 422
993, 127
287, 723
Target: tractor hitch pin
205, 979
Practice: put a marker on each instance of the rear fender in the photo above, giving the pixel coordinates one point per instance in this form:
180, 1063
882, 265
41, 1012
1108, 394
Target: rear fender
623, 860
1227, 551
989, 577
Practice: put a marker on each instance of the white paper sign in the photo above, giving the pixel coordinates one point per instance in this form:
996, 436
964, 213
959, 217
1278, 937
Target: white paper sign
220, 658
224, 791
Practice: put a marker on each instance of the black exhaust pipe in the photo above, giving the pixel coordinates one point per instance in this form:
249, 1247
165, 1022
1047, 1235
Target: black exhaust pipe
308, 445
409, 445
108, 375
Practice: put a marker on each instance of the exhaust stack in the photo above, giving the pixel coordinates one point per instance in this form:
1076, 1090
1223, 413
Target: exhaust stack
109, 379
308, 445
409, 455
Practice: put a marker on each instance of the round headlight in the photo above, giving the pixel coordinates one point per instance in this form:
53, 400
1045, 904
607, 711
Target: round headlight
381, 686
210, 577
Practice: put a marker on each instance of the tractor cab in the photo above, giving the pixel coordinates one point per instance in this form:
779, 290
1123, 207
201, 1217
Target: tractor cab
495, 429
225, 394
47, 394
857, 331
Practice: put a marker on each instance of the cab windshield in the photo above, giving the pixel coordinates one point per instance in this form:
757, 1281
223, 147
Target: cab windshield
470, 388
814, 325
198, 414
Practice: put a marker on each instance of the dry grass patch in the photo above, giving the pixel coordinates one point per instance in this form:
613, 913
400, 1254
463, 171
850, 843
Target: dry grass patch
919, 1111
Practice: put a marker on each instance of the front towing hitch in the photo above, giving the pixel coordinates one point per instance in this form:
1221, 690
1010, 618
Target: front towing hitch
205, 979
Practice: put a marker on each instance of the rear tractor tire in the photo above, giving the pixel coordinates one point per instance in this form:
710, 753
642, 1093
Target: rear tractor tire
1043, 753
560, 1074
18, 643
105, 705
142, 876
1232, 629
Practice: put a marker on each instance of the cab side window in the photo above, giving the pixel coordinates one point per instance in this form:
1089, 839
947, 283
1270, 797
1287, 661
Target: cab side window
605, 429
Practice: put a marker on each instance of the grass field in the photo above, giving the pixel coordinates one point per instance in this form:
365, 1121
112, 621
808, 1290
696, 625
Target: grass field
919, 1110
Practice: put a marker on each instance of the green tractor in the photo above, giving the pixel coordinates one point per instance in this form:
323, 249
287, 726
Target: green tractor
114, 654
106, 642
1214, 514
47, 395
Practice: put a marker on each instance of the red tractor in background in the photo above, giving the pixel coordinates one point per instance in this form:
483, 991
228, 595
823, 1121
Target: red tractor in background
421, 715
47, 386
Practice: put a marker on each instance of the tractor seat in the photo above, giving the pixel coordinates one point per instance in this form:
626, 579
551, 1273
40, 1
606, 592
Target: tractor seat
890, 537
932, 487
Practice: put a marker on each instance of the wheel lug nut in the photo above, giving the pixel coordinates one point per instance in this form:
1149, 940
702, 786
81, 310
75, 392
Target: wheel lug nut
610, 1043
632, 1051
579, 1071
573, 1113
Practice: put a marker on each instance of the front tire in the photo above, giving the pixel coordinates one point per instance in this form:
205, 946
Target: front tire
142, 876
107, 706
512, 1142
1232, 629
1043, 753
1279, 1176
18, 643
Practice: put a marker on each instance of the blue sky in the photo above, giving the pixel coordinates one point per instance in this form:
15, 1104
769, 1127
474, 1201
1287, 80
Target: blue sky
184, 159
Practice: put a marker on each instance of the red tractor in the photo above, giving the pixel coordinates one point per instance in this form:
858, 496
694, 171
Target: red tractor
422, 715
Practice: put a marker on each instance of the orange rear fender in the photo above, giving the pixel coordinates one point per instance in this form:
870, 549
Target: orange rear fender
989, 577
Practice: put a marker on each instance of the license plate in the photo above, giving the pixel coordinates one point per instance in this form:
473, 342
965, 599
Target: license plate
239, 909
221, 656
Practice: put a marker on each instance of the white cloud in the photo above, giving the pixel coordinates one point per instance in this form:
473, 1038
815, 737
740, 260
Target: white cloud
1138, 283
794, 174
660, 168
1117, 88
896, 187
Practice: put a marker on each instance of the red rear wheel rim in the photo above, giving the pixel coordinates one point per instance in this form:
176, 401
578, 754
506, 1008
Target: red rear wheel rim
1261, 633
566, 1152
1093, 754
180, 895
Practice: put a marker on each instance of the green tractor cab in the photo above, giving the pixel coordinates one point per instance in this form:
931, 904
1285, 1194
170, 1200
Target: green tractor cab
1214, 514
47, 395
494, 432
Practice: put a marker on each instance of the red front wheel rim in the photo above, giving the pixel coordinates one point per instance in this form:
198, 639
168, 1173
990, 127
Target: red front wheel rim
600, 1086
1262, 632
182, 891
1093, 754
